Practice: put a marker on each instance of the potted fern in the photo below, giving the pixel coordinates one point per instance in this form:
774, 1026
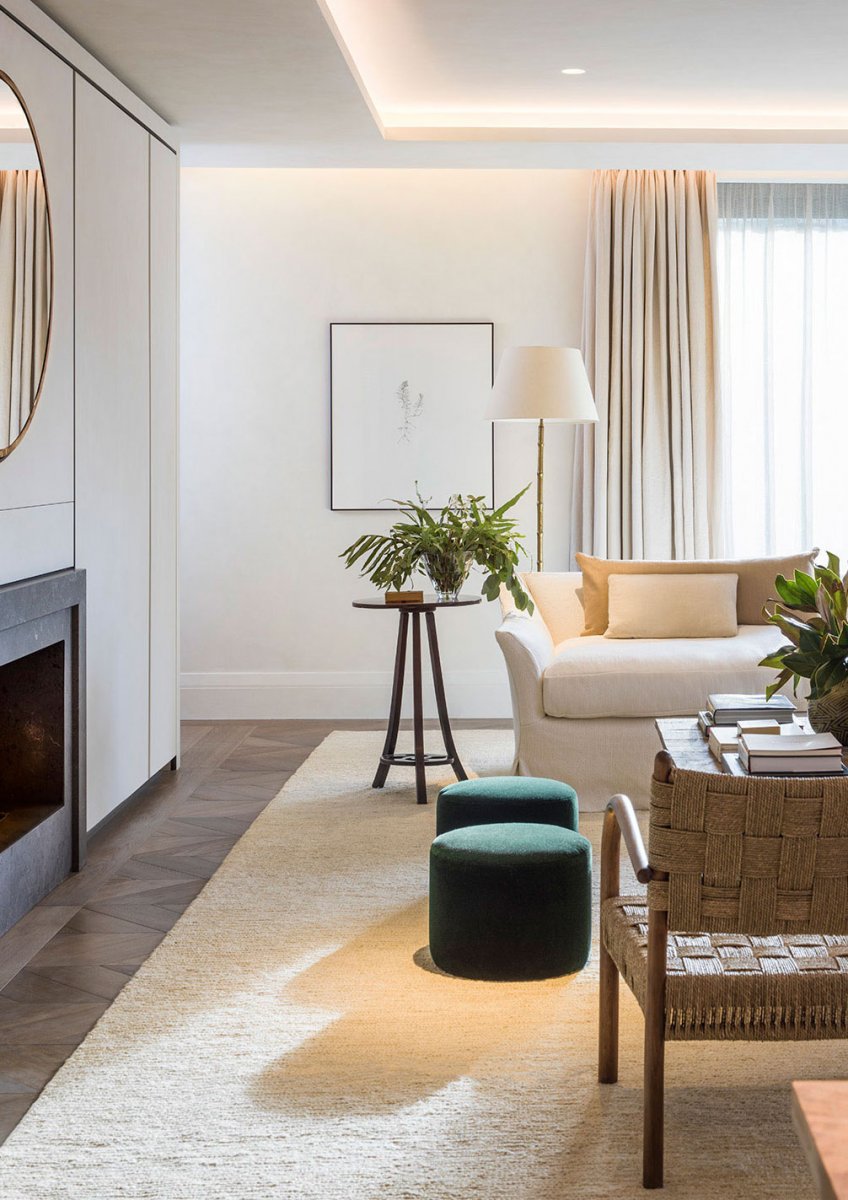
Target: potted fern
445, 546
813, 615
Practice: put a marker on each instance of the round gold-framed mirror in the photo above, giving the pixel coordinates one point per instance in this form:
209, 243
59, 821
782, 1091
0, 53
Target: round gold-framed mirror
26, 268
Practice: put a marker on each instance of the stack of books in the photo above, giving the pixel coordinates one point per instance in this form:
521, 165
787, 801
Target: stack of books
789, 754
731, 708
724, 739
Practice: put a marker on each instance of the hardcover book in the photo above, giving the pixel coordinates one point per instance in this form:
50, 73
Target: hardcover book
728, 708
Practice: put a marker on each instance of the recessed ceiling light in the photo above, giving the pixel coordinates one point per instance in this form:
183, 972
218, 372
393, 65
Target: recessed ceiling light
573, 71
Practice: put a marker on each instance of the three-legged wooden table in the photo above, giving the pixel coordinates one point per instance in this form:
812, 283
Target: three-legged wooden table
411, 613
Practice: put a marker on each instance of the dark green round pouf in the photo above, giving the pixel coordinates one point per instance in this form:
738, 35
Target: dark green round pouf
503, 798
510, 902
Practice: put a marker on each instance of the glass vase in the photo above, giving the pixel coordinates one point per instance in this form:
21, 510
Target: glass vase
447, 571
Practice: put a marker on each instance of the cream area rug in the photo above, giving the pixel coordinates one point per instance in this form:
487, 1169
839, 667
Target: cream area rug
290, 1038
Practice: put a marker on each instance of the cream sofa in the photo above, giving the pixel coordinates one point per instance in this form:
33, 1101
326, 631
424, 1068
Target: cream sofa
584, 706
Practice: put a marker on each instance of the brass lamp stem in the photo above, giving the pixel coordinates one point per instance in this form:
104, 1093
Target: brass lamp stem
540, 498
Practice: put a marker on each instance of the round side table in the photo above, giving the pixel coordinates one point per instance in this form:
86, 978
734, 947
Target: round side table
418, 758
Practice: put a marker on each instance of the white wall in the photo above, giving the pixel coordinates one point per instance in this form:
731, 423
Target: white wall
269, 258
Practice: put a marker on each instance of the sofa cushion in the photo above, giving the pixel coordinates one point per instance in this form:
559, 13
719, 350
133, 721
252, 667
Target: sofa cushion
756, 581
672, 606
596, 677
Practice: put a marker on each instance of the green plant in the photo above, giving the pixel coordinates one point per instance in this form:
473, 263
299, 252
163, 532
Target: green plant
445, 545
818, 648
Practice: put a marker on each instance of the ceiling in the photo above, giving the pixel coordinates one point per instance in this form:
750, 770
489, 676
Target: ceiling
712, 83
495, 67
225, 70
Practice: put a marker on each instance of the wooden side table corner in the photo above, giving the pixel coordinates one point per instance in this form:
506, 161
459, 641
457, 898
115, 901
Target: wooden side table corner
820, 1116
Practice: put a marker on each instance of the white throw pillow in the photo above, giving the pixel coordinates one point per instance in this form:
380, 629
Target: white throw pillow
672, 606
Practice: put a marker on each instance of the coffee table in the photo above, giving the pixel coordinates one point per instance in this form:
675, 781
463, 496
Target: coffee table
819, 1109
682, 738
684, 741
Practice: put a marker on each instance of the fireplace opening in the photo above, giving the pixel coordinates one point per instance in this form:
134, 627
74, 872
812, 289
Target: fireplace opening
32, 741
42, 737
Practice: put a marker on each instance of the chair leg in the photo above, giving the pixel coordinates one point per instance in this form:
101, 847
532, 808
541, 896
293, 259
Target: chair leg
654, 1085
608, 1022
652, 1149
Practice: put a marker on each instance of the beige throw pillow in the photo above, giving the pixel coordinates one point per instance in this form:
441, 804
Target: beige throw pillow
672, 606
756, 581
557, 602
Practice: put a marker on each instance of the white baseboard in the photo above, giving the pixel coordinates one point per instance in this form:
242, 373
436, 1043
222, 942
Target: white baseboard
281, 695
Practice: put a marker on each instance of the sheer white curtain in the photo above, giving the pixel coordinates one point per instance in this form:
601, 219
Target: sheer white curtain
647, 476
24, 296
783, 286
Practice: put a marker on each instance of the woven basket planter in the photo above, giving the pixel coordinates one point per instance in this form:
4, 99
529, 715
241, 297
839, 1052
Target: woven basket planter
830, 714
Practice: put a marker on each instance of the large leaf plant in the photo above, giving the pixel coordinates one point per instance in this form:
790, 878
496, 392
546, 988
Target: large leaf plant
818, 642
464, 531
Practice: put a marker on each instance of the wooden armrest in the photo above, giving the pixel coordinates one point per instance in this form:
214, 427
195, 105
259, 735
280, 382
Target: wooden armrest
622, 809
620, 820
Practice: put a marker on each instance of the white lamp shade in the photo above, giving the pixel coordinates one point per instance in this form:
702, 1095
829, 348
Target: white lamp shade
541, 382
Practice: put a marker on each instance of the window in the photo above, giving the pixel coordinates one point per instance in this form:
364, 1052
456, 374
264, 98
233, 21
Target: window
783, 297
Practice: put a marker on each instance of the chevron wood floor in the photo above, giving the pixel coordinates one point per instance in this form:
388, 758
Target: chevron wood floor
65, 962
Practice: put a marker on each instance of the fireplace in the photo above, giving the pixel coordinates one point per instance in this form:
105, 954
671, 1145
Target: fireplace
42, 793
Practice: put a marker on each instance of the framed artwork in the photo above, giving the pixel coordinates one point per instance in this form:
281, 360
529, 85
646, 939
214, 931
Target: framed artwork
407, 403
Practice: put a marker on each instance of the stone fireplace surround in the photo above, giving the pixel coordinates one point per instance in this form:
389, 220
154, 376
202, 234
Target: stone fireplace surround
42, 737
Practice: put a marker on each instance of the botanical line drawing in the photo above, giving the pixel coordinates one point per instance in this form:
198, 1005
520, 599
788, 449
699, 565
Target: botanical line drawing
410, 410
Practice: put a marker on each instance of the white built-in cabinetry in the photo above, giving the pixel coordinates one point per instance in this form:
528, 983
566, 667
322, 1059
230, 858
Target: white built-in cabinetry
113, 438
93, 483
37, 479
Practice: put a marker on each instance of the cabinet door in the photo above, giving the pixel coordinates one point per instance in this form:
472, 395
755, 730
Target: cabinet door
163, 455
113, 441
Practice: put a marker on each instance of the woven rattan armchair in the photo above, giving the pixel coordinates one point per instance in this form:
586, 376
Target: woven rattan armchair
743, 933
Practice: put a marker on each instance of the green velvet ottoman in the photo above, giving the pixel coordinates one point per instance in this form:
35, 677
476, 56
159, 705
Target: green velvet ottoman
510, 901
505, 798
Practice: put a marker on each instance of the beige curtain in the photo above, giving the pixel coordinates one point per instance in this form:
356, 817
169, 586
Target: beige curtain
646, 479
24, 296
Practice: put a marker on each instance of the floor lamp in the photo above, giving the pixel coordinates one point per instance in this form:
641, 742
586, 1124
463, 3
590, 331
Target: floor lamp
541, 383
